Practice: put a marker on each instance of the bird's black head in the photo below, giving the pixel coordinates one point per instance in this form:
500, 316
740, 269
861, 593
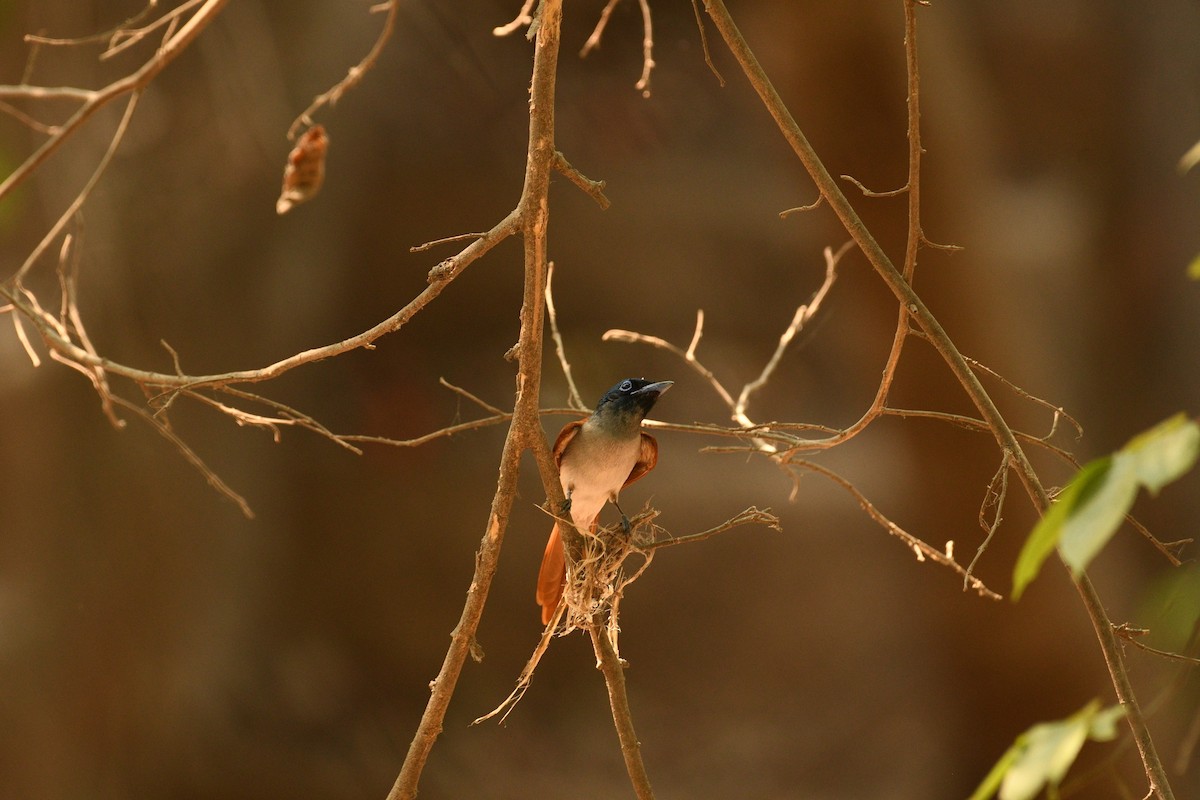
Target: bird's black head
630, 400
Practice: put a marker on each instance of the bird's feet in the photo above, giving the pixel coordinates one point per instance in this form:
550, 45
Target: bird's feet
625, 525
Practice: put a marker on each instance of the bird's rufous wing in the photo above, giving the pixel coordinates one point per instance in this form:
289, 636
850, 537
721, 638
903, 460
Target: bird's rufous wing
647, 458
565, 436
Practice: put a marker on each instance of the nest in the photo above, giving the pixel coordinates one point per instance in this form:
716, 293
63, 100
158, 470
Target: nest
598, 575
591, 599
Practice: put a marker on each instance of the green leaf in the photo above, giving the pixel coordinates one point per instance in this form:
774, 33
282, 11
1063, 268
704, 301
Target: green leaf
1092, 506
1103, 727
992, 782
1172, 607
1165, 452
1045, 535
1043, 754
1193, 270
1094, 520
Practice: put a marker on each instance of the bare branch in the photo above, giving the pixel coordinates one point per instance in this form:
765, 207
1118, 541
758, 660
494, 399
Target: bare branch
93, 101
1058, 411
146, 11
593, 41
912, 303
523, 18
594, 189
704, 44
573, 398
84, 193
59, 342
1133, 636
643, 84
190, 455
464, 393
787, 212
610, 664
126, 36
531, 218
355, 73
992, 498
419, 248
801, 318
869, 193
751, 516
920, 549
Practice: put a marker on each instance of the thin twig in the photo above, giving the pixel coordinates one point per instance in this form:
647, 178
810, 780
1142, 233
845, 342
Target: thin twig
921, 549
526, 678
643, 84
523, 18
189, 454
69, 315
127, 36
450, 269
704, 44
971, 423
594, 189
751, 516
573, 397
84, 193
993, 497
870, 193
593, 41
1133, 636
465, 394
738, 407
146, 11
802, 316
931, 327
459, 237
355, 73
1059, 413
93, 101
524, 431
23, 337
787, 212
28, 121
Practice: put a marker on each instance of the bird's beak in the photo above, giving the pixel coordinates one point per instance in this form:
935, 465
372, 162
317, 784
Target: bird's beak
654, 389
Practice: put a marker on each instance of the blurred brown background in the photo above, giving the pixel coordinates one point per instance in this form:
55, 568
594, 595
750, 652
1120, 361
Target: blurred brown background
155, 644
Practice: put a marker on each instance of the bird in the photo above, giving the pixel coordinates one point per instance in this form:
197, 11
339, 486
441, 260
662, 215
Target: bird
597, 457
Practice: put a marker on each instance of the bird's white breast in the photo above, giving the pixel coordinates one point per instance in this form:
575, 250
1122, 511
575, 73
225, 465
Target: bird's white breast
594, 469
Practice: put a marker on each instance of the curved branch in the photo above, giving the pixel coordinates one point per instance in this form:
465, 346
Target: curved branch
914, 305
447, 271
93, 101
354, 74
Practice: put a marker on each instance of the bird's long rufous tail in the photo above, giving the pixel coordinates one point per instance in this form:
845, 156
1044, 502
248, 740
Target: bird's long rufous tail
552, 575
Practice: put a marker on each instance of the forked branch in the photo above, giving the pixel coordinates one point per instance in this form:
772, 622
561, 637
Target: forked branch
911, 302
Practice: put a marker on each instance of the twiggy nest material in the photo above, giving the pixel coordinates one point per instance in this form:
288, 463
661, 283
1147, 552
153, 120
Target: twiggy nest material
597, 576
591, 597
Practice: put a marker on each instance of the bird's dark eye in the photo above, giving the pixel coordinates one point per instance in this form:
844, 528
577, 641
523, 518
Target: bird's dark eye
626, 386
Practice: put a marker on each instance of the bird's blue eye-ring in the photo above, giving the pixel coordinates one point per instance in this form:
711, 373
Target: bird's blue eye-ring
626, 386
